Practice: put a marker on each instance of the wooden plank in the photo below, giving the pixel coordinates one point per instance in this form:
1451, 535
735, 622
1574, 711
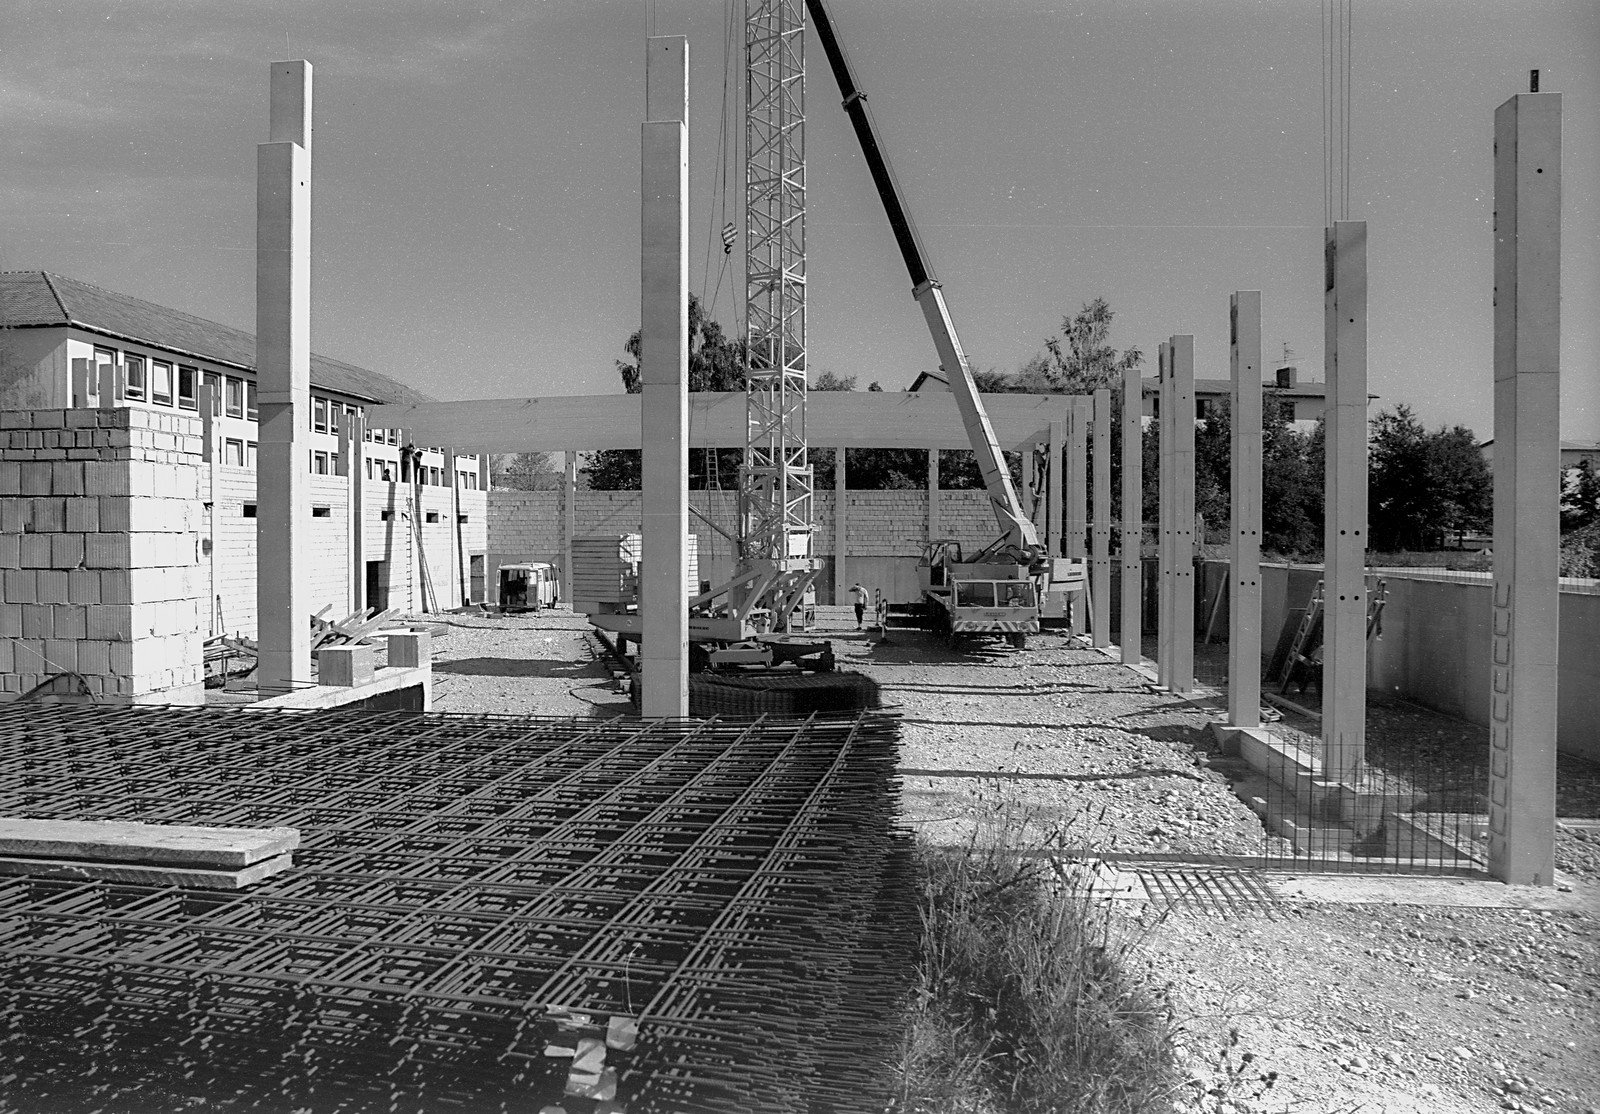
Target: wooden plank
148, 874
126, 841
583, 423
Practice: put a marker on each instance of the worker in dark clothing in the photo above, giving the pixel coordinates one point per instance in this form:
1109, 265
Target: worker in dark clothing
858, 596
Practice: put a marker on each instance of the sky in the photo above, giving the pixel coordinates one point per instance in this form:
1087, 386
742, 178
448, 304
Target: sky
476, 176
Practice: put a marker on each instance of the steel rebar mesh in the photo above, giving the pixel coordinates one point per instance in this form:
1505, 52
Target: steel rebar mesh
739, 888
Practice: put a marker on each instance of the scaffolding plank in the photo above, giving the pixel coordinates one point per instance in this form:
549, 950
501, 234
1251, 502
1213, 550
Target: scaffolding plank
88, 870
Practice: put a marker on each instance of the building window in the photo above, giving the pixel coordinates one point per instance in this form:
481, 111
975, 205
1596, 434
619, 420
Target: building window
433, 516
161, 382
319, 463
105, 365
214, 381
250, 450
320, 511
333, 417
469, 481
249, 510
319, 415
333, 463
186, 395
233, 389
252, 408
233, 452
392, 437
385, 516
133, 375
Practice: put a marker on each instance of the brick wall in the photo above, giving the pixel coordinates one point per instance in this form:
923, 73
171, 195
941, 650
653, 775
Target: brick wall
100, 532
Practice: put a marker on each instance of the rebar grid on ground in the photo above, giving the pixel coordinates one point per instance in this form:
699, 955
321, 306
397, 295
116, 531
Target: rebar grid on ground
739, 888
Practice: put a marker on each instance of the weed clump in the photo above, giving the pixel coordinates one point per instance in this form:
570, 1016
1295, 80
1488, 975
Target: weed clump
1025, 998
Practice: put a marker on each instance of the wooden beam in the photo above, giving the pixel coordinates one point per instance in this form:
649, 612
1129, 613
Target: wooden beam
585, 423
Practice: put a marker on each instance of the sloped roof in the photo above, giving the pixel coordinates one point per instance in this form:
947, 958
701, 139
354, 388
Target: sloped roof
37, 299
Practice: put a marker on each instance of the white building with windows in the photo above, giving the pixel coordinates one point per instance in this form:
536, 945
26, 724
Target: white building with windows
405, 527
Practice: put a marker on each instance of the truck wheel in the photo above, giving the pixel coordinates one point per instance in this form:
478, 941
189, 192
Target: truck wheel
1019, 640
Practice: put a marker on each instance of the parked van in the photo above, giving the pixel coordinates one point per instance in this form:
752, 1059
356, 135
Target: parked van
532, 586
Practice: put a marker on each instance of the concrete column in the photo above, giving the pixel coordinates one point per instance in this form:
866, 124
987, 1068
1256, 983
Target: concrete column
1078, 478
205, 400
1344, 592
352, 454
1100, 549
934, 525
283, 360
1527, 381
569, 524
664, 379
1244, 566
1058, 487
841, 526
1132, 516
1182, 349
1165, 485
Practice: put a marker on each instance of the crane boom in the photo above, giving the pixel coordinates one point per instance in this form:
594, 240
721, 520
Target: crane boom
1016, 527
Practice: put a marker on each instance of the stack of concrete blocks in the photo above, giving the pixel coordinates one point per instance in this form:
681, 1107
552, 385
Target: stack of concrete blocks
100, 531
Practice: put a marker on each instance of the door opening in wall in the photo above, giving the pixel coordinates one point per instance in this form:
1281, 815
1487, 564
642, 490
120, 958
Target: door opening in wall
378, 585
475, 568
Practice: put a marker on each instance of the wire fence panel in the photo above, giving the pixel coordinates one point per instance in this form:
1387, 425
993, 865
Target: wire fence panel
484, 912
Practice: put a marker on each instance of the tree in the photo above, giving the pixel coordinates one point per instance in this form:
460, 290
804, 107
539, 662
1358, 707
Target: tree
716, 363
1462, 485
1081, 359
1424, 486
1580, 497
524, 471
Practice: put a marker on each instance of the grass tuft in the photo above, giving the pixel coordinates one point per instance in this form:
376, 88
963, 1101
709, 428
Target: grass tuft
1025, 996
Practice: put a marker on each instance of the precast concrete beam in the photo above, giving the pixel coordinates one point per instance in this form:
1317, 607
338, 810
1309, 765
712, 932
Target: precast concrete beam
1183, 416
1527, 397
1244, 565
1344, 592
664, 380
1100, 534
283, 366
1057, 485
1132, 517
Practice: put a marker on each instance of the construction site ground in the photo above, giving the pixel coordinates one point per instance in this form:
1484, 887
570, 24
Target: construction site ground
1295, 992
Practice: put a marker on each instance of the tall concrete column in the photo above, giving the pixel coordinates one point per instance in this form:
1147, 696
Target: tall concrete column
1182, 355
352, 454
1165, 486
841, 527
1078, 496
1527, 382
1344, 591
283, 383
934, 525
1132, 516
1100, 548
1029, 481
1244, 566
1058, 487
569, 522
664, 379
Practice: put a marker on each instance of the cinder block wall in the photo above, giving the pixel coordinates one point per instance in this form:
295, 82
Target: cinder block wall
886, 529
100, 531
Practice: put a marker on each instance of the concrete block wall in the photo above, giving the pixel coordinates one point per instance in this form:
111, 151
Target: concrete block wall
233, 551
329, 541
1434, 644
100, 552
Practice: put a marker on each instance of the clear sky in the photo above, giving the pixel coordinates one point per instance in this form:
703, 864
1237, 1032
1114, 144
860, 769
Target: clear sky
476, 172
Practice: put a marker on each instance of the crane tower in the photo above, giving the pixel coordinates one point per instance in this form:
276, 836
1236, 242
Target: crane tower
776, 491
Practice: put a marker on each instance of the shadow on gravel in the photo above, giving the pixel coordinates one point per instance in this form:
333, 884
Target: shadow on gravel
997, 690
519, 667
1021, 725
1017, 775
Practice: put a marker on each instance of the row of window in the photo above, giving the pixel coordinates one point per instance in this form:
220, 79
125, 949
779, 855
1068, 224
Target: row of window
164, 384
239, 453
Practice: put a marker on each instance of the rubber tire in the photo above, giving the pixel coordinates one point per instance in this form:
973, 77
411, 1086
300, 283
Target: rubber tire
783, 695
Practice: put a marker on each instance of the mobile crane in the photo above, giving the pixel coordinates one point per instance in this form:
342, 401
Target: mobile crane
995, 592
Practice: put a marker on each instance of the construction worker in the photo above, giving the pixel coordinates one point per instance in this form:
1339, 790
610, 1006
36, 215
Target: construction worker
858, 596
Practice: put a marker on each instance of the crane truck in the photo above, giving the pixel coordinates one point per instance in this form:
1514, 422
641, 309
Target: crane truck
996, 592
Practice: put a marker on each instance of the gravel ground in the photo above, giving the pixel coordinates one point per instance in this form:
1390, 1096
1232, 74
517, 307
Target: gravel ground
1355, 1007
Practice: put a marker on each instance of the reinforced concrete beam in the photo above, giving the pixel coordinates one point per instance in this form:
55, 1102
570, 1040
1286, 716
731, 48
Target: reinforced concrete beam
1182, 660
664, 379
1130, 635
1527, 396
1344, 591
1100, 534
584, 423
283, 377
1244, 566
